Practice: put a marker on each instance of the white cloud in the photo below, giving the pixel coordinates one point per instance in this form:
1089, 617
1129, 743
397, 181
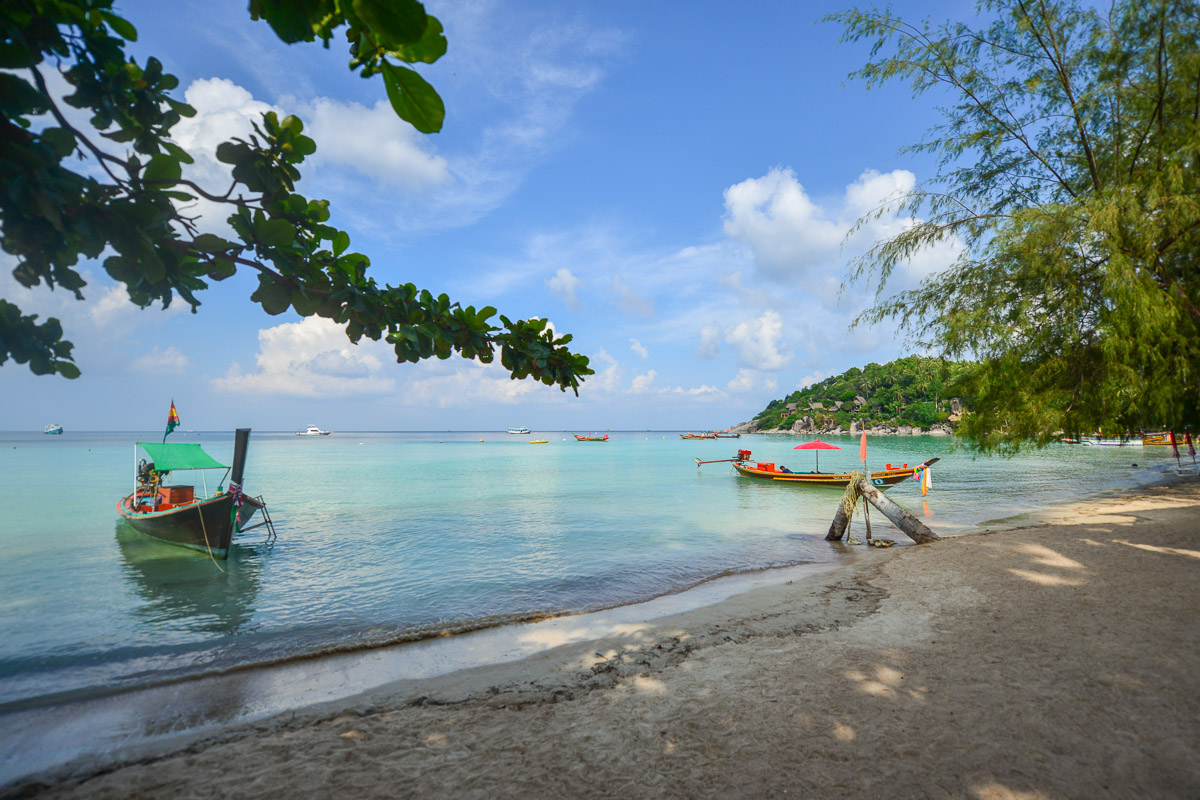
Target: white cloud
757, 342
809, 380
606, 380
372, 141
638, 348
710, 341
565, 286
159, 361
788, 232
641, 383
312, 358
748, 380
630, 301
793, 237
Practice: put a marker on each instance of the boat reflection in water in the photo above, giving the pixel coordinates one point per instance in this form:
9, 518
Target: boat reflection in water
188, 589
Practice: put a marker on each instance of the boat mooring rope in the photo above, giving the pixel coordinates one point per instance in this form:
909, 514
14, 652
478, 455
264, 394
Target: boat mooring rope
204, 530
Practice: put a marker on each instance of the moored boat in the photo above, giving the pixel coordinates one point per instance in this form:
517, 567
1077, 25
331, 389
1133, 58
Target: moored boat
836, 480
519, 431
173, 514
706, 435
313, 430
590, 438
54, 428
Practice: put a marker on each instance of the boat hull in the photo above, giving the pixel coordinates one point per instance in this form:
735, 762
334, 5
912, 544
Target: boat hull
833, 480
206, 525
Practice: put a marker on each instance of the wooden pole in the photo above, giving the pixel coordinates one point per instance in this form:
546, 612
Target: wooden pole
913, 527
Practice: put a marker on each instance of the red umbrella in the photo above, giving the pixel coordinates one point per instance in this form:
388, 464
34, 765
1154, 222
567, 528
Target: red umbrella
817, 444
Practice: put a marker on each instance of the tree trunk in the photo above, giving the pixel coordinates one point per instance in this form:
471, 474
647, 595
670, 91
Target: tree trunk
838, 528
913, 527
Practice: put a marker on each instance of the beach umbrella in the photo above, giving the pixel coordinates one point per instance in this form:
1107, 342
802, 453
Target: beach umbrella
817, 444
1174, 448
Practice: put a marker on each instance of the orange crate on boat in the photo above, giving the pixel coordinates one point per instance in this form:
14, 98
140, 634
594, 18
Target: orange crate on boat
176, 495
766, 466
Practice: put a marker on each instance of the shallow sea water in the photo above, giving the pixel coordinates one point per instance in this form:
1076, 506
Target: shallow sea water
389, 536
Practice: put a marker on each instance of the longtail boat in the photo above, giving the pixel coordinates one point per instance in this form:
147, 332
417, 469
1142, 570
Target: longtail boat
837, 480
593, 438
173, 514
697, 436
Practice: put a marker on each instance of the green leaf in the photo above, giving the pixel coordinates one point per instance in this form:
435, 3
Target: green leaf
125, 30
413, 99
431, 47
341, 241
61, 141
392, 22
211, 243
177, 151
68, 370
274, 296
163, 167
275, 233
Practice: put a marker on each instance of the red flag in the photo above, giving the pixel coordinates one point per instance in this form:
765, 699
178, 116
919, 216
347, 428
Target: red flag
862, 448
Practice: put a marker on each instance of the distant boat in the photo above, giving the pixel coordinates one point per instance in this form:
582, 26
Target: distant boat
727, 435
56, 428
313, 430
706, 435
173, 514
1098, 441
593, 438
539, 441
519, 430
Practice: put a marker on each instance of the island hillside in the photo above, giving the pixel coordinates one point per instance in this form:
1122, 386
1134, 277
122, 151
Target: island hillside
910, 395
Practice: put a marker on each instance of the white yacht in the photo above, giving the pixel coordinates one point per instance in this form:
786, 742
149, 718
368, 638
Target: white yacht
313, 430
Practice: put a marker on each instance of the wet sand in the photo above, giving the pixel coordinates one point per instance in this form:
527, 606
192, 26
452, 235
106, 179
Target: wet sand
1056, 658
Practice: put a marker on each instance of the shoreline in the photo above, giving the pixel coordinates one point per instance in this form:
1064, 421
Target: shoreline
636, 658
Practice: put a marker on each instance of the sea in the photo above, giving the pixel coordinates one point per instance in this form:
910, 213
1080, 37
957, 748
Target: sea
386, 537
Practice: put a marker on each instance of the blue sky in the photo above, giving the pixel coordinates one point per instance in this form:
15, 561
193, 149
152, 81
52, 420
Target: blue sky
671, 183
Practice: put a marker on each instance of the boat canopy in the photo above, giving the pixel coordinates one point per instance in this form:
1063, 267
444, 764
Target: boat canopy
168, 457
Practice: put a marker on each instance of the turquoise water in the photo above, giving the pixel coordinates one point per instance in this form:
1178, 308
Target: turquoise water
388, 536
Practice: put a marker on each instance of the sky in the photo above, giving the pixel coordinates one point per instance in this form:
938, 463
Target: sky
673, 184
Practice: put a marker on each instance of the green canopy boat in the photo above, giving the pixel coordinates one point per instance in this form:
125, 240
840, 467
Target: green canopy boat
174, 514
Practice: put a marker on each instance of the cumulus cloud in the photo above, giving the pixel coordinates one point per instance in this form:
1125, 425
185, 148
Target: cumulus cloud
794, 237
757, 342
372, 141
565, 286
160, 361
638, 348
312, 358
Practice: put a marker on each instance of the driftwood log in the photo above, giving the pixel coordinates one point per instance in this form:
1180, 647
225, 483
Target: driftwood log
913, 527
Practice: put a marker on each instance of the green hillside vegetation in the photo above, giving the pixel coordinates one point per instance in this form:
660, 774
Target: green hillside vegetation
913, 391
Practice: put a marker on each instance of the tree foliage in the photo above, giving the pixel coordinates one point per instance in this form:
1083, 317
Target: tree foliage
1068, 167
118, 188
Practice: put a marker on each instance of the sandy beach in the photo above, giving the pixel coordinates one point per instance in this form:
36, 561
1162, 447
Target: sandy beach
1053, 657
